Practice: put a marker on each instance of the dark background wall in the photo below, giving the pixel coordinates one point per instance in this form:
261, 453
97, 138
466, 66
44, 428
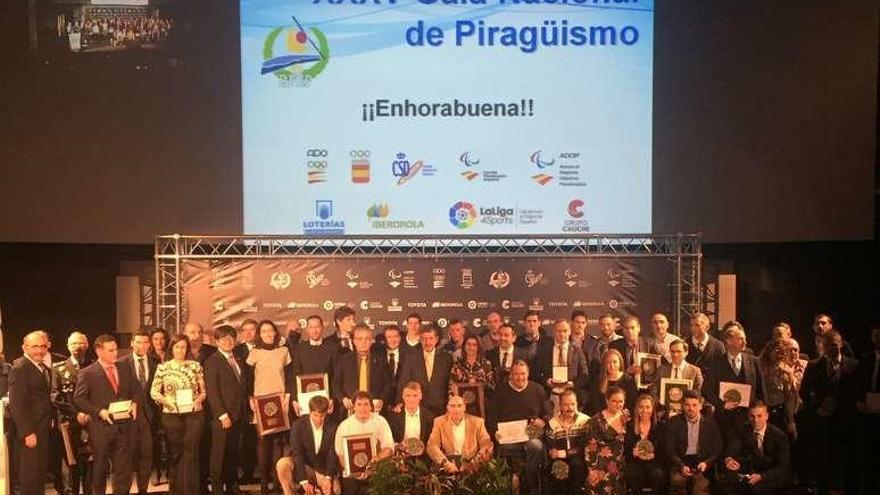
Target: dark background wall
765, 118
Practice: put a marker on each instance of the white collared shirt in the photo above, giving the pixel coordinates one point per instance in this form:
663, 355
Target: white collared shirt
735, 362
429, 363
458, 437
316, 343
701, 343
317, 435
412, 424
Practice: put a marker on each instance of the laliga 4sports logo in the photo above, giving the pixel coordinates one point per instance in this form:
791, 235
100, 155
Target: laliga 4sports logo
295, 54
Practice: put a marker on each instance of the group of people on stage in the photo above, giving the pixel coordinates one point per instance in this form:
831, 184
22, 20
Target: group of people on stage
573, 411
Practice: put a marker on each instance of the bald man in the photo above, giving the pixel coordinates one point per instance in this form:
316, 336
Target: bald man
30, 406
197, 346
78, 476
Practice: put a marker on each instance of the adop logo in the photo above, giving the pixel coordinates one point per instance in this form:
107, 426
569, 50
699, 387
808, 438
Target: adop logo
294, 54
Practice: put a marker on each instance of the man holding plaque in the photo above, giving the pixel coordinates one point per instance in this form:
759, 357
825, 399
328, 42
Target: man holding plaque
458, 439
734, 366
314, 355
521, 408
632, 343
413, 421
111, 395
361, 439
72, 422
678, 368
360, 371
563, 365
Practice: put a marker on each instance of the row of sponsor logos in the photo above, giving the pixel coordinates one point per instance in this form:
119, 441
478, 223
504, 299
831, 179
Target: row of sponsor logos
440, 278
395, 305
462, 215
563, 168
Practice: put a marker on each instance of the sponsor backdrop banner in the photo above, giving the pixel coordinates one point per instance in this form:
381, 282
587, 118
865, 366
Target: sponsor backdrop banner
385, 291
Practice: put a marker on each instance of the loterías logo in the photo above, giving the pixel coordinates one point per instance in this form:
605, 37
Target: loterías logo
295, 55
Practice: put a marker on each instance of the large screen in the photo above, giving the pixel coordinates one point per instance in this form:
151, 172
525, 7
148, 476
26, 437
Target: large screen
446, 117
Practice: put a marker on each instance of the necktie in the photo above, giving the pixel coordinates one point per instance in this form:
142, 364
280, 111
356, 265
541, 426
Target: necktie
760, 441
504, 360
345, 343
142, 372
111, 375
699, 346
392, 364
675, 372
363, 374
46, 376
561, 359
734, 366
234, 366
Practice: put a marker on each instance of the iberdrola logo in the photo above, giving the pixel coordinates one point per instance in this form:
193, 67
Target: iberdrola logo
295, 54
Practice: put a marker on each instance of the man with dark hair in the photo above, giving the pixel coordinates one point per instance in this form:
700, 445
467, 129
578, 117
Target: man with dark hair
144, 367
429, 367
533, 341
595, 346
757, 459
228, 397
505, 354
678, 368
344, 322
578, 328
412, 339
830, 390
314, 355
519, 399
693, 443
79, 475
413, 421
632, 343
456, 332
391, 354
360, 371
363, 422
97, 387
30, 407
822, 325
312, 464
247, 336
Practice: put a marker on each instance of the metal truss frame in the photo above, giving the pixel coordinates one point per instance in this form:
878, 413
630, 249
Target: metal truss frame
684, 250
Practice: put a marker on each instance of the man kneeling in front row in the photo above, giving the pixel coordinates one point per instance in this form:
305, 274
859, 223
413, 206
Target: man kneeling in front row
313, 463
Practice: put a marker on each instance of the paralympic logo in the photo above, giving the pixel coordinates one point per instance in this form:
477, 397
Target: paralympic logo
536, 159
468, 160
462, 215
295, 64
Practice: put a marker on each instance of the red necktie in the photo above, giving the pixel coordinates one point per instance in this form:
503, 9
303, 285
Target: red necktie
111, 375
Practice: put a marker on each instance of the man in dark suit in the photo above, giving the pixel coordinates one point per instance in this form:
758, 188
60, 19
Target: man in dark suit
533, 342
247, 334
227, 395
390, 353
313, 463
97, 387
735, 366
830, 390
632, 343
693, 443
869, 365
144, 367
360, 370
314, 355
79, 475
563, 354
757, 459
412, 420
430, 367
595, 346
343, 320
30, 406
505, 354
704, 349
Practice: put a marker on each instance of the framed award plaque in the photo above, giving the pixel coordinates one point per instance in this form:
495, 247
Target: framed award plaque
271, 413
650, 365
359, 451
474, 398
308, 386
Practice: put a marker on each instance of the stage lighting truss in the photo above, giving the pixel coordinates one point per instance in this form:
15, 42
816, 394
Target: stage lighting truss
682, 250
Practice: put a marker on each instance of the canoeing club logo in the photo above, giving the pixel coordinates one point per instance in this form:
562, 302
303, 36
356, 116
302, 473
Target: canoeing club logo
294, 54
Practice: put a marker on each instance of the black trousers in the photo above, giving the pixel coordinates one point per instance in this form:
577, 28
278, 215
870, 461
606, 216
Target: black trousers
645, 474
111, 443
183, 433
142, 453
269, 450
33, 463
226, 450
353, 486
78, 478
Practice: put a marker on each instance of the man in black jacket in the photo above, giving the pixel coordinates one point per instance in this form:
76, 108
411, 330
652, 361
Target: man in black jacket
563, 354
227, 395
430, 367
144, 367
704, 348
79, 476
31, 409
412, 417
97, 387
693, 443
757, 459
360, 370
391, 354
313, 462
632, 343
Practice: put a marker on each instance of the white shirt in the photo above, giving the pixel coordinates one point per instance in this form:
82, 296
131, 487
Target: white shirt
137, 366
458, 437
317, 435
412, 343
429, 363
375, 425
412, 424
735, 362
396, 354
701, 343
316, 343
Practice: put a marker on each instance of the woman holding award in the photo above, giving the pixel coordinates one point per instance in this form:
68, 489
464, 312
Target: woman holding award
605, 446
179, 387
643, 468
269, 359
566, 437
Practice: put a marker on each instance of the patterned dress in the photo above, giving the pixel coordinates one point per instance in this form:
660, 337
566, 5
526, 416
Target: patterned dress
478, 372
605, 458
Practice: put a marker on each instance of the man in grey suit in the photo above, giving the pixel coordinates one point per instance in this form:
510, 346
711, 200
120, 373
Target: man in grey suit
563, 353
679, 368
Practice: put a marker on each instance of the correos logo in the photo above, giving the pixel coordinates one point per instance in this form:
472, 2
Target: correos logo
462, 215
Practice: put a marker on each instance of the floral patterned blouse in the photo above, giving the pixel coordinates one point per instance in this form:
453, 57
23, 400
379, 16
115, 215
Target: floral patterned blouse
172, 376
478, 372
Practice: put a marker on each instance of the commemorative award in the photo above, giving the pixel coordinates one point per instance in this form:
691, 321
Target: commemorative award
738, 393
359, 451
650, 364
474, 398
271, 413
120, 411
308, 386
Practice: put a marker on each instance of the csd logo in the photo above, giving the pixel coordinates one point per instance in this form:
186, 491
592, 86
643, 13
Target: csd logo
316, 153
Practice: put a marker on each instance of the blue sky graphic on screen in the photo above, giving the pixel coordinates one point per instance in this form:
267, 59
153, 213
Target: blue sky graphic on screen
474, 117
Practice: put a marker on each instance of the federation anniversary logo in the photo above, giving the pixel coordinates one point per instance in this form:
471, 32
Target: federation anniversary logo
294, 54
